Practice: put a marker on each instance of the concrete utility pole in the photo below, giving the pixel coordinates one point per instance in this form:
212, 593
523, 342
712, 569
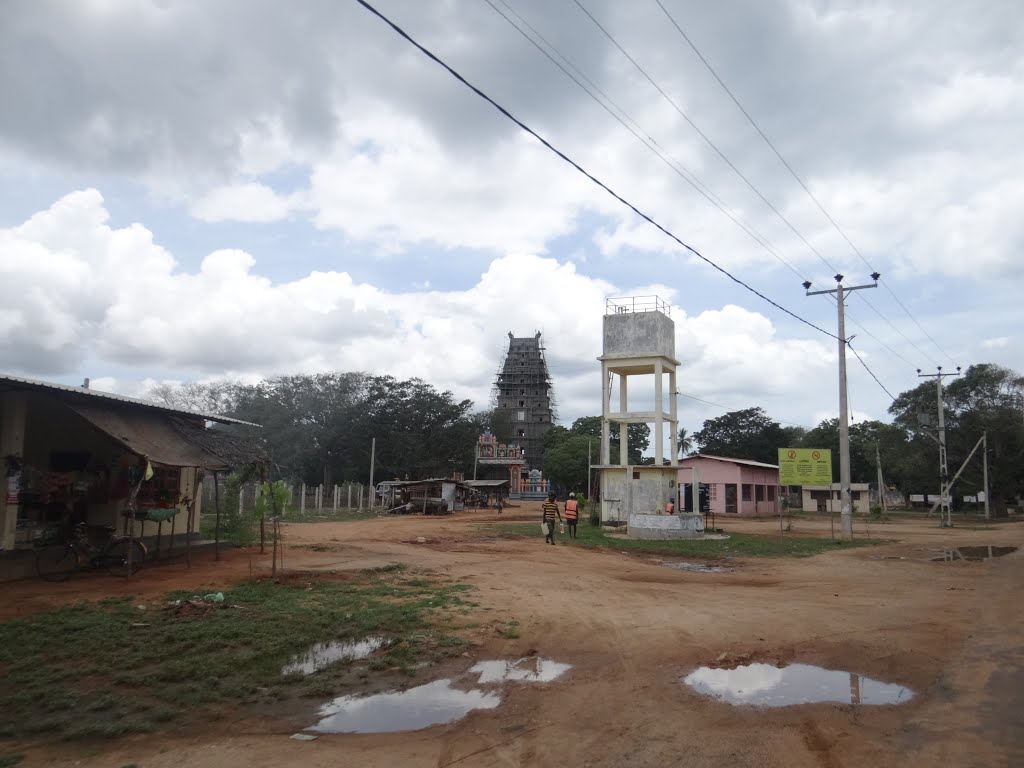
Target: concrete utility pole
984, 476
373, 460
846, 505
946, 511
881, 488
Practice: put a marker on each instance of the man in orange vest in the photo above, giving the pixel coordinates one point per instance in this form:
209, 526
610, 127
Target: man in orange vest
572, 514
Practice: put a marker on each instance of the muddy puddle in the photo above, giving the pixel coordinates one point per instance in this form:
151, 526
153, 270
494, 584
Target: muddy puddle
699, 567
442, 701
973, 554
765, 685
323, 654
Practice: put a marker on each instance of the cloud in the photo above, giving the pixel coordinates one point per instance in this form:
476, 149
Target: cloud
997, 343
251, 202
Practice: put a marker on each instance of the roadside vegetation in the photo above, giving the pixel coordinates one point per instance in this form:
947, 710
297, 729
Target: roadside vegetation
113, 667
737, 545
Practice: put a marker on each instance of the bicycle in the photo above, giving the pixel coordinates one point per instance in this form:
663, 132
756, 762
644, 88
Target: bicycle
73, 552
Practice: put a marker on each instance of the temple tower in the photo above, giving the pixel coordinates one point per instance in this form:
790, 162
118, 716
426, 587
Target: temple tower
523, 398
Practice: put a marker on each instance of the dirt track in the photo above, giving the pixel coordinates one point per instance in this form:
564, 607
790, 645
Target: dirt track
632, 627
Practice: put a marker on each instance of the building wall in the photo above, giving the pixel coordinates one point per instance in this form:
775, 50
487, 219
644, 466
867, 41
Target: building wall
51, 427
761, 484
644, 490
825, 498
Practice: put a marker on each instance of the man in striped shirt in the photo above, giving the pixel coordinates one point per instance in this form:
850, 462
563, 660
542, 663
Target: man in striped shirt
550, 513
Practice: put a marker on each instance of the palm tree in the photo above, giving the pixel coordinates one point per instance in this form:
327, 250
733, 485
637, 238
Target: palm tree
685, 442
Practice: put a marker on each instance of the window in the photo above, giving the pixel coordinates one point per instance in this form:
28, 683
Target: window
746, 491
521, 433
521, 416
713, 492
522, 403
759, 493
771, 493
636, 475
540, 418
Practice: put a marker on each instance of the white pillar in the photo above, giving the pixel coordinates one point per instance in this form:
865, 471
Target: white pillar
623, 426
659, 414
302, 499
673, 410
606, 399
349, 496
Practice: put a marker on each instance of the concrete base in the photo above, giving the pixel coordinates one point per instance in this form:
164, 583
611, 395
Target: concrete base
680, 526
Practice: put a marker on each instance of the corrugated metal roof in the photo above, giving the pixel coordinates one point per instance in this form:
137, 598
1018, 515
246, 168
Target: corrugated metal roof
92, 393
746, 462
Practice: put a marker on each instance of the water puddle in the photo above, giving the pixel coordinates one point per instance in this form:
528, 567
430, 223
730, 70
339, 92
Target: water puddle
431, 704
528, 670
699, 567
973, 553
434, 703
765, 685
324, 654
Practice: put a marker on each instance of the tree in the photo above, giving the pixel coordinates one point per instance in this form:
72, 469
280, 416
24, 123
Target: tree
685, 442
747, 434
638, 435
987, 398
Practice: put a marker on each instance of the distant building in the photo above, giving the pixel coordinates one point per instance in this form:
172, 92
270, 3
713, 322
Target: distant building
825, 498
524, 401
735, 486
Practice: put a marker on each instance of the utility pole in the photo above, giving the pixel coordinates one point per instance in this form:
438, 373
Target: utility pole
945, 510
373, 461
846, 505
984, 473
881, 488
589, 443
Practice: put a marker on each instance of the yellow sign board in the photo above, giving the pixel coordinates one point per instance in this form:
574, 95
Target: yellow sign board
805, 466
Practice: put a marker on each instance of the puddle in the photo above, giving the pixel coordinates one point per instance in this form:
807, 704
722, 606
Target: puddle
528, 670
434, 703
765, 685
324, 654
431, 704
973, 553
699, 567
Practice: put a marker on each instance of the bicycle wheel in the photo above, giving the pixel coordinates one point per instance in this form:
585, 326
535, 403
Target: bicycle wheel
56, 562
115, 557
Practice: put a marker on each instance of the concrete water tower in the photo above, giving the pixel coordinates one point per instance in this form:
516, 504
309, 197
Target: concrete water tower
638, 352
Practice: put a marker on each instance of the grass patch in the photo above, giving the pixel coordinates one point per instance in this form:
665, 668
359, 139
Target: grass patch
737, 545
105, 669
9, 760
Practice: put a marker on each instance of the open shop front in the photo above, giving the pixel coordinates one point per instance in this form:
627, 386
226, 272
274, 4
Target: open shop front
74, 461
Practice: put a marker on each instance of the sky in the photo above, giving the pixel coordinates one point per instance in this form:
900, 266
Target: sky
241, 189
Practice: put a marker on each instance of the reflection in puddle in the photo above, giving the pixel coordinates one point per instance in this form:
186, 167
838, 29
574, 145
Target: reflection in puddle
420, 707
700, 568
324, 654
528, 670
974, 553
768, 686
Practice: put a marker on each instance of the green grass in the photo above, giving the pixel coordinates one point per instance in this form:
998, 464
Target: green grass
737, 545
106, 669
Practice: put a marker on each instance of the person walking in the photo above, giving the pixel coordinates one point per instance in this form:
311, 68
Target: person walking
572, 514
549, 512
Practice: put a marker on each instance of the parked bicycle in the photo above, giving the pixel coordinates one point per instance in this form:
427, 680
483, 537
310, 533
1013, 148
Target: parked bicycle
73, 551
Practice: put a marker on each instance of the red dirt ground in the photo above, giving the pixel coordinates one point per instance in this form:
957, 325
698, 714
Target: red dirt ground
632, 628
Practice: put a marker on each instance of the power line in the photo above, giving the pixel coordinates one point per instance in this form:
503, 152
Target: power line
796, 176
646, 139
727, 408
652, 144
704, 136
879, 383
583, 171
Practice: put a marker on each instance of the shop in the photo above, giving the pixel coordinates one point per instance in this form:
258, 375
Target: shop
73, 455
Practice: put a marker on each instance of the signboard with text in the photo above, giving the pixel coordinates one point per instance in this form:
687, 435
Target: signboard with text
805, 466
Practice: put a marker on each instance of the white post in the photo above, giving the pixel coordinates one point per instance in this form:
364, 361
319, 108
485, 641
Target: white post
241, 499
334, 498
360, 497
373, 461
984, 475
349, 506
302, 500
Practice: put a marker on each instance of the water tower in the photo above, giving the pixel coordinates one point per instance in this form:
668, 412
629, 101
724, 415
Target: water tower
638, 356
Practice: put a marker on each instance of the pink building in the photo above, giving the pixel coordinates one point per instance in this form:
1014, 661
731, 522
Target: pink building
735, 486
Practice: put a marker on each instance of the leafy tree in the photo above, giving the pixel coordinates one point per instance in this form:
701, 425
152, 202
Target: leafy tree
746, 434
638, 435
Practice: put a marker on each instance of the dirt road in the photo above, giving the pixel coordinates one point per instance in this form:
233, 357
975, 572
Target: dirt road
632, 628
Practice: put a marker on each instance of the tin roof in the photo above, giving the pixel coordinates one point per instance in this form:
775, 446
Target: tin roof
745, 462
92, 395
